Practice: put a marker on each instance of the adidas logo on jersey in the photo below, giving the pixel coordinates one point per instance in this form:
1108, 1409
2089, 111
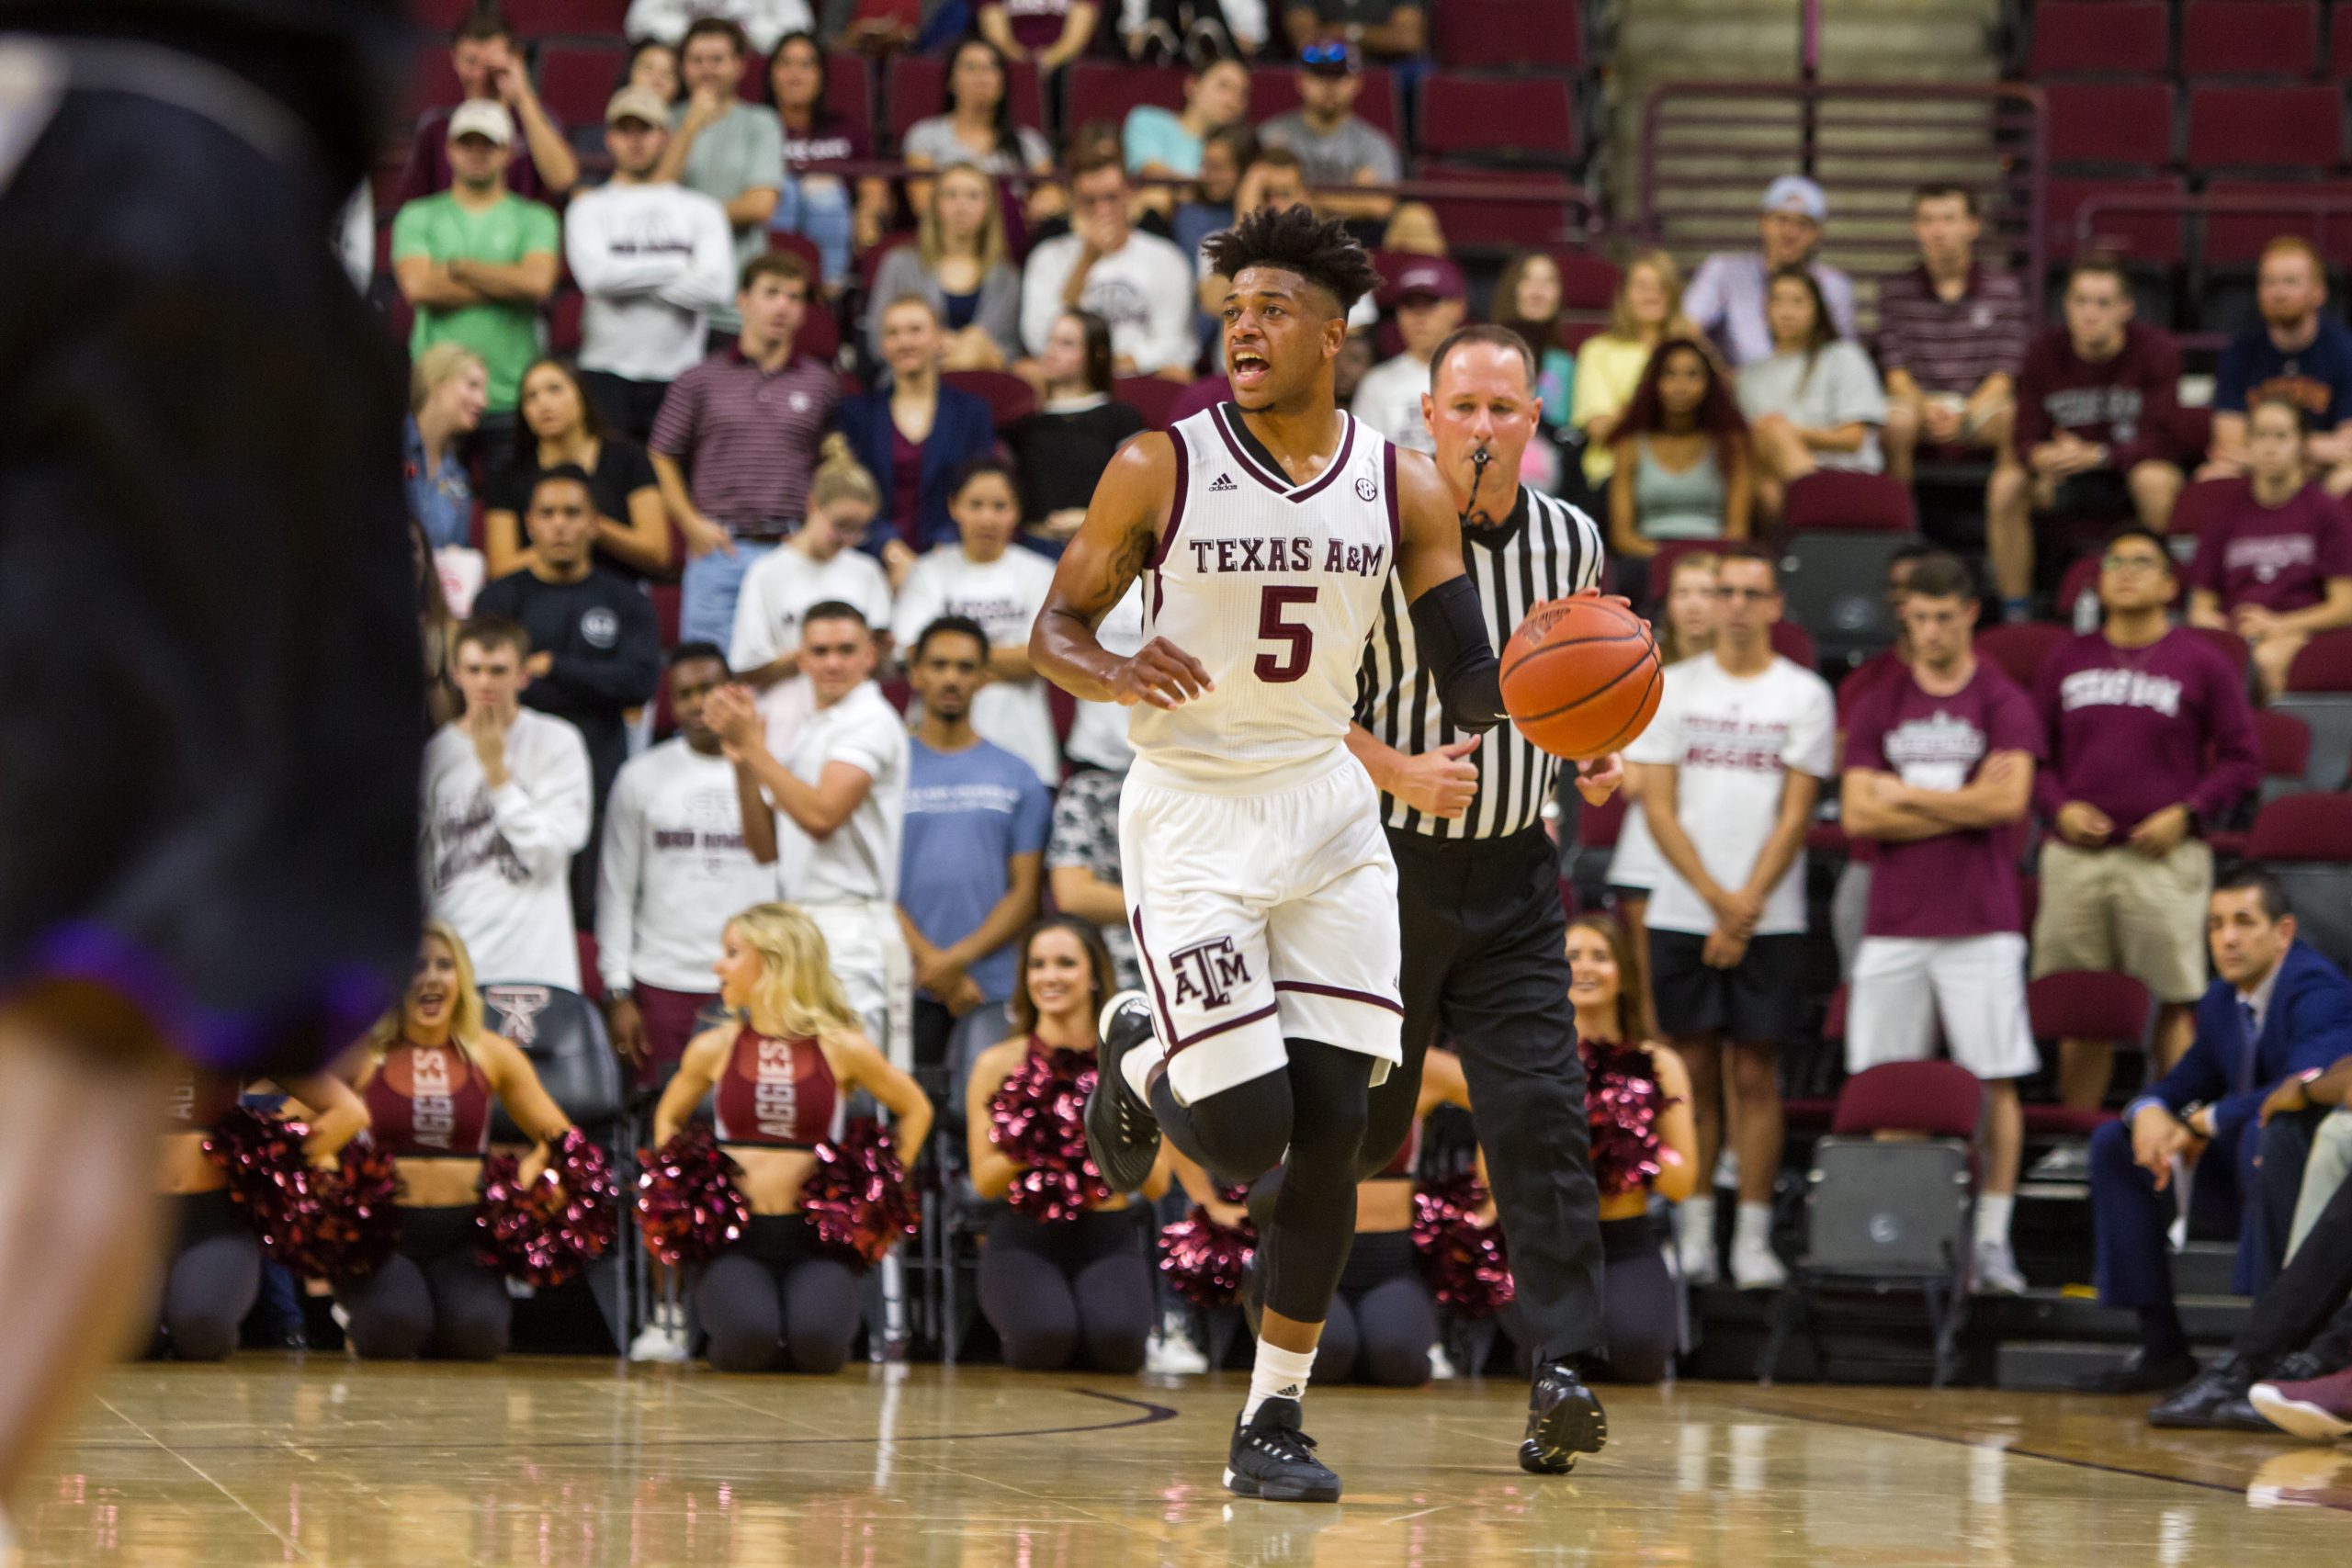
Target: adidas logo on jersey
1221, 483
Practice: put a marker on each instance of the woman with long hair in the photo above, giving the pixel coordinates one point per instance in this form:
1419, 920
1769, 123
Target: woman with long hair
824, 560
978, 129
1637, 1090
817, 201
959, 265
1157, 144
566, 429
1062, 447
436, 631
447, 390
780, 1074
1054, 1287
1646, 311
1530, 299
2276, 595
427, 1074
654, 64
1816, 403
914, 432
1682, 469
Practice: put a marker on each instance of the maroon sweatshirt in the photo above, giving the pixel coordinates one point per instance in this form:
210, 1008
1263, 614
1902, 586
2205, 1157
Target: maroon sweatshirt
2129, 404
2130, 729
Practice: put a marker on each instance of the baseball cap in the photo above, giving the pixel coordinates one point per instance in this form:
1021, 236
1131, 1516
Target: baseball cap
1432, 278
637, 103
1794, 193
1329, 57
482, 117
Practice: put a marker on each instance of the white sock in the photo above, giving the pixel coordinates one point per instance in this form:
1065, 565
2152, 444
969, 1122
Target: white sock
1698, 1226
1752, 1227
1137, 1065
1993, 1211
1278, 1374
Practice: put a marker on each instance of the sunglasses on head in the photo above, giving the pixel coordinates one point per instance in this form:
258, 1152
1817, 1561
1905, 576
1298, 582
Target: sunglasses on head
1324, 54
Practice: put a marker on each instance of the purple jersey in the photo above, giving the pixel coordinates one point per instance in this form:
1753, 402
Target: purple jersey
1963, 883
2132, 730
2277, 557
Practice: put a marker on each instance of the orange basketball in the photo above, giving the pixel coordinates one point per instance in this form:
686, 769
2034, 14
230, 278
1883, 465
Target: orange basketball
1581, 677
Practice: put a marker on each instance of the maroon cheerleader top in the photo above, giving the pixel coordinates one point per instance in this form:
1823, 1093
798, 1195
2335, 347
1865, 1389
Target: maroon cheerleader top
429, 1102
198, 1098
778, 1094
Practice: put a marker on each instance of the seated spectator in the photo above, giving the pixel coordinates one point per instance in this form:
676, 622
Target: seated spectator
978, 129
826, 560
654, 64
1272, 181
1682, 469
565, 430
1528, 301
745, 425
2276, 566
914, 433
1815, 402
2097, 401
447, 390
653, 259
1137, 282
506, 805
1061, 450
1430, 298
2277, 1009
1728, 293
977, 820
1647, 310
1939, 770
728, 150
1208, 209
489, 69
958, 265
2301, 355
1160, 145
1334, 147
1413, 229
1951, 337
476, 262
816, 201
983, 578
1386, 29
763, 22
1050, 32
2151, 746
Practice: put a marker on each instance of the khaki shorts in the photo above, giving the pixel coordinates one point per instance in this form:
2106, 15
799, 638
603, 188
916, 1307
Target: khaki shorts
2112, 909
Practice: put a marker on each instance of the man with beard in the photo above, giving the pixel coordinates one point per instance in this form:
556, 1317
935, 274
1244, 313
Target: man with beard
2298, 352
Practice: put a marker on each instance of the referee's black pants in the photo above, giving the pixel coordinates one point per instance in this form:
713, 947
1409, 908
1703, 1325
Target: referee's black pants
1485, 964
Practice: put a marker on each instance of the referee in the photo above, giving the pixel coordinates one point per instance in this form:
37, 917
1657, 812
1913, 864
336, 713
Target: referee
1478, 885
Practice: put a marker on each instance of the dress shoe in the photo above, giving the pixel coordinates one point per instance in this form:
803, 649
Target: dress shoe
2196, 1405
2139, 1373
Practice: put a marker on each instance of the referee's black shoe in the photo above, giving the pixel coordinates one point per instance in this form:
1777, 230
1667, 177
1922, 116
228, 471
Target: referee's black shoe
1273, 1459
1121, 1132
1563, 1419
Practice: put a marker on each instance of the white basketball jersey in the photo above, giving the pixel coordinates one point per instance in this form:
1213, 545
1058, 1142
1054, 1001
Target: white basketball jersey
1273, 587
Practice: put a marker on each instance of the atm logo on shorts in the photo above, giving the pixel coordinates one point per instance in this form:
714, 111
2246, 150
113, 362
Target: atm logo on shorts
1207, 973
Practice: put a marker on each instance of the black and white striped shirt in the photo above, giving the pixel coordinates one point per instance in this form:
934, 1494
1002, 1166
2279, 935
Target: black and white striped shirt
1545, 549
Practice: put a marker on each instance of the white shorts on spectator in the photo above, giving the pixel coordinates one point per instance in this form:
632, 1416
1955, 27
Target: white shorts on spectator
1975, 983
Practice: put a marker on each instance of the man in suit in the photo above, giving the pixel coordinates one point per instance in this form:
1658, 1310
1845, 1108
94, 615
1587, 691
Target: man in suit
2277, 1009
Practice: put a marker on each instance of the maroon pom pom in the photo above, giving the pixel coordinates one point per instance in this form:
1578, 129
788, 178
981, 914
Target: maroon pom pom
544, 1232
857, 1196
1624, 1100
320, 1225
1205, 1260
688, 1206
1467, 1271
1037, 1117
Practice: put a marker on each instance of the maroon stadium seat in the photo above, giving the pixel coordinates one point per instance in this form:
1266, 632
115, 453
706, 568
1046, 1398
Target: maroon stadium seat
1274, 90
1537, 220
1008, 395
869, 263
2324, 665
2154, 238
1598, 826
2314, 826
1794, 643
2249, 37
576, 80
752, 87
2226, 643
1099, 89
849, 90
1149, 396
2205, 502
1483, 34
2089, 1004
2285, 742
1524, 116
2100, 38
919, 90
2339, 42
2235, 239
1830, 499
440, 17
1587, 282
2021, 647
2110, 122
1934, 1099
591, 18
564, 310
432, 79
2281, 128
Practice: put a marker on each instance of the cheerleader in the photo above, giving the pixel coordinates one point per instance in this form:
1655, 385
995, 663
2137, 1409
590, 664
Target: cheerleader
782, 1077
213, 1272
427, 1074
1058, 1279
1638, 1096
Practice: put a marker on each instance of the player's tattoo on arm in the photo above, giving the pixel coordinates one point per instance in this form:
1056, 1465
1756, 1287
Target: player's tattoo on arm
1134, 553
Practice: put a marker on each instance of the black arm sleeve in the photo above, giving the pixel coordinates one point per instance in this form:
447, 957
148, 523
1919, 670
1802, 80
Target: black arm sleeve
1450, 633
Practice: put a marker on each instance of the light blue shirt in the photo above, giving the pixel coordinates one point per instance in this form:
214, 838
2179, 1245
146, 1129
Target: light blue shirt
442, 500
968, 813
1155, 136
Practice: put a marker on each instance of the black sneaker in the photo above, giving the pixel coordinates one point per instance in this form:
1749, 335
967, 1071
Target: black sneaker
1273, 1459
2140, 1373
1563, 1419
2200, 1404
1121, 1132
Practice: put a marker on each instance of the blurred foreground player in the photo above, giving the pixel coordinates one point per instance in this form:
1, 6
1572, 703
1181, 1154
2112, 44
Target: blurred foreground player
209, 753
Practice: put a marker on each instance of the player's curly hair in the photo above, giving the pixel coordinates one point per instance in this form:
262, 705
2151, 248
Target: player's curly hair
1293, 237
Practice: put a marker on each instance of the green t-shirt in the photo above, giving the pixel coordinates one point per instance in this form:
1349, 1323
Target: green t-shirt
506, 337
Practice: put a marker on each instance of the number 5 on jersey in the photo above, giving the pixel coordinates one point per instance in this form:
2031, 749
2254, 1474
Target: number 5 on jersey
1274, 625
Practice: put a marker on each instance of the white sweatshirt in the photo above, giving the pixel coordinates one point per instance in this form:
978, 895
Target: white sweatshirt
781, 586
497, 864
1004, 595
654, 261
674, 870
1144, 289
763, 21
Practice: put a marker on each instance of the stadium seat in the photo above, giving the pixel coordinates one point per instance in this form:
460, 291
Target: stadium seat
2306, 840
2286, 744
2144, 238
2235, 239
1101, 89
592, 19
2021, 648
440, 17
2126, 123
576, 80
1835, 579
1274, 90
565, 308
2269, 127
752, 87
2339, 42
1522, 119
849, 89
1516, 222
1008, 395
432, 79
2099, 37
1587, 280
2204, 502
1149, 396
2226, 643
1837, 499
918, 85
2085, 1004
2249, 37
1546, 35
2319, 691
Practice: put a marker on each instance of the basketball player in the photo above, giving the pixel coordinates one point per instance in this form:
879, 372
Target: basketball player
209, 756
1485, 934
1257, 878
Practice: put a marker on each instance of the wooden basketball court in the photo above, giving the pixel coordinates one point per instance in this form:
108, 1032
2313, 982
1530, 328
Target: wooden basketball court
560, 1462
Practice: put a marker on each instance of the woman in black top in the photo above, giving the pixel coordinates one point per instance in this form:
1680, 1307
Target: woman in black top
1063, 448
632, 530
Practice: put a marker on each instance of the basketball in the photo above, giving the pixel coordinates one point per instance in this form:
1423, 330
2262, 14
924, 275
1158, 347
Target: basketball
1581, 676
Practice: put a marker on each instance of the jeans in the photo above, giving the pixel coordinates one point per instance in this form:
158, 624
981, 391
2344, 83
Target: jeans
818, 209
708, 590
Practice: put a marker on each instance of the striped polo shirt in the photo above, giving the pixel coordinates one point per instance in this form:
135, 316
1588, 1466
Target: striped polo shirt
748, 437
1952, 346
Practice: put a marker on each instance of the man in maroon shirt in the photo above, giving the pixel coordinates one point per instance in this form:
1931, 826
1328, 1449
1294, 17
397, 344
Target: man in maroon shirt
2151, 742
1851, 900
1939, 770
489, 66
2097, 402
